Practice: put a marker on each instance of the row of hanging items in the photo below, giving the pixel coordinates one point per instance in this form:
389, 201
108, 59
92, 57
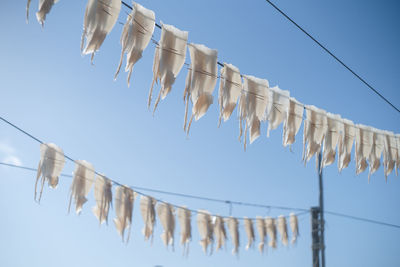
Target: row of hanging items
212, 228
258, 102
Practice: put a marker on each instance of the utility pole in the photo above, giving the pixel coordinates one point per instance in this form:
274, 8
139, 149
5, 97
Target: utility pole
315, 236
321, 211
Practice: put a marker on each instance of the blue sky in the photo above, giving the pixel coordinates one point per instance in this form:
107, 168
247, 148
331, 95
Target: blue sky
53, 92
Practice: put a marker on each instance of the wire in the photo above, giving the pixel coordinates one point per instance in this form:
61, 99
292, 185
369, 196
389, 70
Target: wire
335, 57
362, 219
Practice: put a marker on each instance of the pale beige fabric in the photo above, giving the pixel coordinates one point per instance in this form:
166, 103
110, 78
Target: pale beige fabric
124, 201
230, 87
81, 184
260, 226
294, 226
51, 163
389, 152
364, 142
136, 35
398, 153
184, 218
345, 145
315, 126
249, 229
103, 197
282, 229
292, 123
271, 231
252, 106
44, 9
100, 18
277, 108
233, 227
205, 227
200, 82
169, 58
166, 215
374, 158
333, 134
219, 232
148, 212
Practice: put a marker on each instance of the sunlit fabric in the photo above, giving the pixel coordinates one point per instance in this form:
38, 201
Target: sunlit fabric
277, 107
332, 136
233, 227
345, 145
200, 82
184, 219
252, 106
44, 9
136, 35
294, 227
166, 215
260, 226
81, 184
100, 17
147, 210
389, 152
398, 153
282, 229
205, 228
292, 123
364, 142
169, 58
51, 163
103, 197
124, 201
249, 229
271, 231
374, 158
219, 232
229, 91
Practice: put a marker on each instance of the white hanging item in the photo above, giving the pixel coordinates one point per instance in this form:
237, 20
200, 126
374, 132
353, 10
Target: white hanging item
374, 158
166, 215
345, 145
136, 35
292, 123
282, 229
147, 210
100, 18
184, 218
398, 153
200, 81
81, 184
248, 227
333, 134
315, 127
233, 227
277, 108
260, 225
169, 58
271, 231
44, 9
252, 106
103, 197
124, 201
364, 142
219, 232
229, 90
389, 152
205, 227
51, 163
294, 226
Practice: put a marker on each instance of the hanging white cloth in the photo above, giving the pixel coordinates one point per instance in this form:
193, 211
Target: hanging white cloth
219, 232
229, 90
294, 226
103, 197
136, 35
364, 142
169, 58
233, 227
248, 227
345, 145
124, 201
100, 18
205, 227
44, 9
374, 158
184, 218
252, 106
398, 153
282, 229
389, 152
271, 231
81, 184
292, 123
51, 163
333, 134
260, 225
147, 210
277, 108
315, 127
200, 81
166, 215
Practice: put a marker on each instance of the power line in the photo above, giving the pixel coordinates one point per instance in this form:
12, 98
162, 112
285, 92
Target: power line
362, 219
335, 57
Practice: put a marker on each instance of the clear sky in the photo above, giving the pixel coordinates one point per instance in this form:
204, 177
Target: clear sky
50, 90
